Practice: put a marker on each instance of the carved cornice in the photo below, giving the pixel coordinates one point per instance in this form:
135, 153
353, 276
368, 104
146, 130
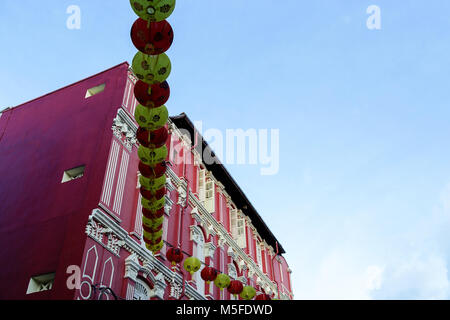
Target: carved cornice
150, 262
125, 129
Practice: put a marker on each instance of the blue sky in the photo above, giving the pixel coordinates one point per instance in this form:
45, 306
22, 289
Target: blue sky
362, 200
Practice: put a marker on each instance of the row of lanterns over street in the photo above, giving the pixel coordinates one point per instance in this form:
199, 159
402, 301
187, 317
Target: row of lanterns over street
152, 36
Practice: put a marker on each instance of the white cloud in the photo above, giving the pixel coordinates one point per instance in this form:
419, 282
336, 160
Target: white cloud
366, 256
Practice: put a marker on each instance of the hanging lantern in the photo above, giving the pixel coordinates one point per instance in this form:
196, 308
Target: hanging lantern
209, 274
152, 215
151, 223
152, 96
263, 297
152, 139
236, 287
153, 205
153, 185
155, 248
151, 69
152, 172
159, 194
152, 241
152, 157
175, 256
151, 119
248, 293
153, 232
222, 281
192, 265
152, 38
153, 10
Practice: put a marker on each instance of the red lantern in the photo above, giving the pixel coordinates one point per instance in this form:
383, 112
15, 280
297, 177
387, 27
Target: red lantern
174, 255
209, 274
152, 242
235, 287
152, 38
152, 139
263, 297
153, 215
153, 172
152, 96
153, 230
158, 195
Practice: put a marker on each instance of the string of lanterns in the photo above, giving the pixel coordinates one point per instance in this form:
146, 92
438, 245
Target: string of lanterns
152, 36
209, 274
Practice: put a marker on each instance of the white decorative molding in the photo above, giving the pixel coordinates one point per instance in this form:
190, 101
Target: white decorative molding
210, 249
243, 280
197, 235
125, 129
150, 263
231, 253
196, 215
175, 289
182, 195
232, 272
168, 206
97, 231
132, 267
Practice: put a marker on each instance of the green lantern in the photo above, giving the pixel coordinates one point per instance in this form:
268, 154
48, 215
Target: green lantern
222, 281
153, 185
151, 69
153, 10
151, 119
153, 236
152, 224
151, 157
153, 205
192, 265
248, 293
157, 247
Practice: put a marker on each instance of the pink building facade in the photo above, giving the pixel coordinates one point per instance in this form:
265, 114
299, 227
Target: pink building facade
69, 197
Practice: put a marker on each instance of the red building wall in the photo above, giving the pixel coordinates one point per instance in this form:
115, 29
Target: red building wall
42, 220
95, 222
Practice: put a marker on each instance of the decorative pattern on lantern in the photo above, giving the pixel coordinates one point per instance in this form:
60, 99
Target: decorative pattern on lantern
153, 10
152, 157
209, 274
152, 35
152, 139
222, 281
151, 119
152, 96
248, 293
236, 287
192, 265
151, 69
175, 256
152, 38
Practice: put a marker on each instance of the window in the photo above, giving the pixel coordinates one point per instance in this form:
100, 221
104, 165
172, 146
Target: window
198, 251
238, 228
201, 184
72, 174
210, 203
41, 283
259, 256
95, 90
141, 291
